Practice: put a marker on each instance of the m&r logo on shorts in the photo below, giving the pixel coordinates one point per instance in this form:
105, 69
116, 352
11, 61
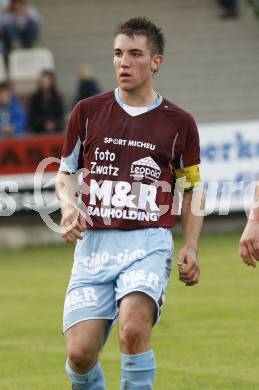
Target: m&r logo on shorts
80, 298
140, 278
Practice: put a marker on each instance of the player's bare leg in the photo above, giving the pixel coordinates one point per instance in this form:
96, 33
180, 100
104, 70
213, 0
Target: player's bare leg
136, 317
83, 344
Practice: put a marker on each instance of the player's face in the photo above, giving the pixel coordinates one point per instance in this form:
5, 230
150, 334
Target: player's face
133, 62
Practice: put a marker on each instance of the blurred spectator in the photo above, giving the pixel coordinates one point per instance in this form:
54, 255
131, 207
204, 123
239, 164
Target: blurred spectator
13, 120
3, 4
230, 8
87, 84
1, 43
256, 5
46, 111
20, 25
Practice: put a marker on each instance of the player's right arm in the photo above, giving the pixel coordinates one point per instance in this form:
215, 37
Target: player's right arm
72, 218
249, 242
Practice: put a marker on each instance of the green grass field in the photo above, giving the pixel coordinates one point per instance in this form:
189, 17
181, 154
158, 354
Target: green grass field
207, 339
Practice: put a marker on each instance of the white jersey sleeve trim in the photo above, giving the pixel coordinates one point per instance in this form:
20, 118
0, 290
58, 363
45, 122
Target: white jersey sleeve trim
70, 163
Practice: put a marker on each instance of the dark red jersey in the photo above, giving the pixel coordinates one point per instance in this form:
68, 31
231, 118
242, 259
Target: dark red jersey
130, 162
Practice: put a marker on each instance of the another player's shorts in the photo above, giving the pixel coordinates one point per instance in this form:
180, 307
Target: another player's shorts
109, 264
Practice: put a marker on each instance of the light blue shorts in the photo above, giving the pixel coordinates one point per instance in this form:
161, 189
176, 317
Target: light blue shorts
109, 264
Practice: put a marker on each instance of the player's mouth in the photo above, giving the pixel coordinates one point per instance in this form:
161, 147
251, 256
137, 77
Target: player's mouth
124, 75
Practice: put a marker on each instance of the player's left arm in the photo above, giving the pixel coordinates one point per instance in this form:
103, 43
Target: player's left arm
192, 220
249, 242
188, 173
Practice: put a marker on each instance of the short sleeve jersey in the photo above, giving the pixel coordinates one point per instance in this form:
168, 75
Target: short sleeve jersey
130, 162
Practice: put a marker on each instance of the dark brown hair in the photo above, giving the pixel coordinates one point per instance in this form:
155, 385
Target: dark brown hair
142, 26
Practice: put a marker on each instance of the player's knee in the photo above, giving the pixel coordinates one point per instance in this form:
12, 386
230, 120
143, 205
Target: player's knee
82, 359
133, 337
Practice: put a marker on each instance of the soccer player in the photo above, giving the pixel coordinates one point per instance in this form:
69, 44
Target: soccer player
249, 242
131, 144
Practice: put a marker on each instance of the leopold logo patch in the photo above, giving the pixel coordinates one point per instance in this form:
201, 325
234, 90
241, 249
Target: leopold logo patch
145, 168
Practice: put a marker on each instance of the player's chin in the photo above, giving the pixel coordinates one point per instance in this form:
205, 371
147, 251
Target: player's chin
126, 86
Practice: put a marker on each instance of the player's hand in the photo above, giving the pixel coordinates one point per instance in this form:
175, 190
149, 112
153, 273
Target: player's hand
73, 222
249, 243
188, 266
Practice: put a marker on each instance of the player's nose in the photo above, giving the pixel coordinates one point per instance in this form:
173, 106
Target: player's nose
124, 60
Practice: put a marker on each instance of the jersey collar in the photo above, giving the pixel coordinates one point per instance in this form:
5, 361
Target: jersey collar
149, 108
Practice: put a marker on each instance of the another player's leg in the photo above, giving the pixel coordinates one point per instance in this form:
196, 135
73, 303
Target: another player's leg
136, 317
83, 343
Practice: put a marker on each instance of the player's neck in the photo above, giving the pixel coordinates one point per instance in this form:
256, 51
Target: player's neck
137, 98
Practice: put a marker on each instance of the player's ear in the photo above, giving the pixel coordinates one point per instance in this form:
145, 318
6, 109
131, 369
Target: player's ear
157, 61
